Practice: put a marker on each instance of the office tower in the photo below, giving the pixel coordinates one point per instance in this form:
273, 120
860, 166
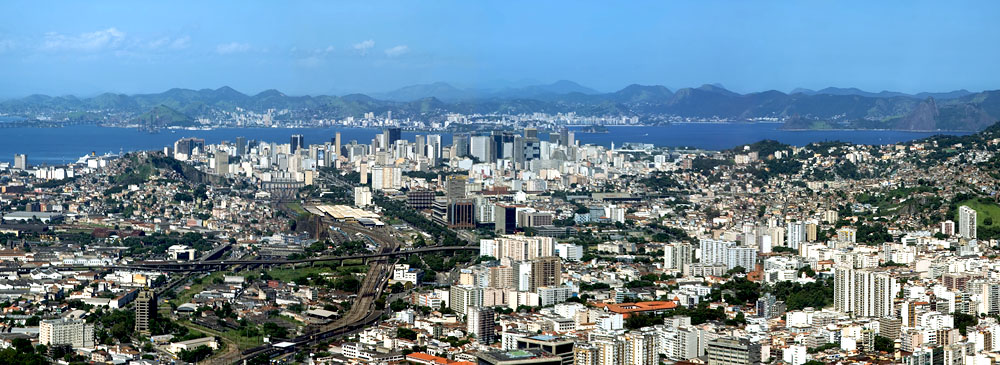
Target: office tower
503, 142
517, 152
505, 219
676, 255
733, 351
221, 162
185, 147
419, 149
391, 136
461, 144
435, 149
545, 271
559, 346
482, 148
462, 214
796, 234
74, 332
297, 142
455, 187
145, 311
461, 297
864, 292
241, 146
530, 132
336, 145
967, 222
419, 199
20, 161
481, 322
531, 149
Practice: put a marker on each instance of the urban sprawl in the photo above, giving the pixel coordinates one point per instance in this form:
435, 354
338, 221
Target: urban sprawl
516, 246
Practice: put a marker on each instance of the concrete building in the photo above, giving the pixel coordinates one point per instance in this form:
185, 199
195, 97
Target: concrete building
481, 322
74, 332
145, 311
733, 351
967, 222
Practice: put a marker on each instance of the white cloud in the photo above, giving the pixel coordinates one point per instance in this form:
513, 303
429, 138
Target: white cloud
87, 42
363, 47
397, 51
230, 48
181, 43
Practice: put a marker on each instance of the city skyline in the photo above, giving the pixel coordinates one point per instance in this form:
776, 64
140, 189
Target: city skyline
310, 48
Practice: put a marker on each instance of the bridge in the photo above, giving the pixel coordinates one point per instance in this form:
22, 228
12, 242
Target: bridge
211, 265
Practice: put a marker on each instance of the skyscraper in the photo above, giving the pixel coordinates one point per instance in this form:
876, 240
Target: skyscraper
967, 222
461, 143
336, 145
241, 146
391, 136
145, 311
297, 142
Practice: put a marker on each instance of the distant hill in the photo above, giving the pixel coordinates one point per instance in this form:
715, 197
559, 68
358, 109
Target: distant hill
830, 108
164, 116
884, 93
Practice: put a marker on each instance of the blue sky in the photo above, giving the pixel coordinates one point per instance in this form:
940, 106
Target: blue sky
337, 47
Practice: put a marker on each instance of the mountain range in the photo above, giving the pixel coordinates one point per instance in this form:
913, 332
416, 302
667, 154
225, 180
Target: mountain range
830, 108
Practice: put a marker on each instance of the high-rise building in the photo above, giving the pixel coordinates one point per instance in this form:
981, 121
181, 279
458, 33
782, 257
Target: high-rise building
967, 222
518, 247
297, 142
461, 297
864, 292
505, 219
482, 148
461, 144
241, 146
676, 255
640, 347
733, 351
545, 271
145, 311
796, 234
221, 162
455, 187
20, 161
336, 145
482, 323
391, 136
185, 147
74, 332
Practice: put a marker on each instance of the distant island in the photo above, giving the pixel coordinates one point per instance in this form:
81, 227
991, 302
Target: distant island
437, 106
